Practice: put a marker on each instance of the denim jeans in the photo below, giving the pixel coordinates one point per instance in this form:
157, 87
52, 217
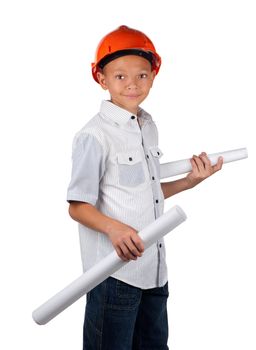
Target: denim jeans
119, 316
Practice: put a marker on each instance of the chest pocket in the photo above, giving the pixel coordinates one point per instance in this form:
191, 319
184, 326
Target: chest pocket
156, 155
130, 169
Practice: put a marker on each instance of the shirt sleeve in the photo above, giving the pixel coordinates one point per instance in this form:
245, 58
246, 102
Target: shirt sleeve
88, 167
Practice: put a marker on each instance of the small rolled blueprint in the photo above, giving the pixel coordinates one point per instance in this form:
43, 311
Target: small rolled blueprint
107, 266
184, 166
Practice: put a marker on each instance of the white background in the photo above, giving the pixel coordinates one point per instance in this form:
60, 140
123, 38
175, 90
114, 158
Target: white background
203, 100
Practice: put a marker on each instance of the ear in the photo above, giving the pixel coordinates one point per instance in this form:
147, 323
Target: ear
102, 80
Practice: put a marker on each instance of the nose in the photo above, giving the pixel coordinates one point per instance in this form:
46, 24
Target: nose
131, 84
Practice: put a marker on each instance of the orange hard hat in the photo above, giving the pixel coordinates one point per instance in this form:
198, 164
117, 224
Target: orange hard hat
124, 41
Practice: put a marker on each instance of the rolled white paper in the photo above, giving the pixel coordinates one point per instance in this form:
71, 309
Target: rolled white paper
106, 267
184, 166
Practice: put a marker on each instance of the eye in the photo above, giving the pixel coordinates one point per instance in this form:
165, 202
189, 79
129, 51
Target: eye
143, 76
119, 77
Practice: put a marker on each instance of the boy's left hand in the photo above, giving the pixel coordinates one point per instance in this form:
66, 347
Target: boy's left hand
201, 169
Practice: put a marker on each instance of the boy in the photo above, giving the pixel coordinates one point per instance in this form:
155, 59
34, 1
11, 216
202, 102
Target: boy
115, 191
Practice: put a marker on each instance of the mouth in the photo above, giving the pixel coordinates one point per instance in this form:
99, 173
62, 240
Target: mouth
132, 96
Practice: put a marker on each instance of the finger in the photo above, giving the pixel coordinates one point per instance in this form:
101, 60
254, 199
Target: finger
195, 169
120, 254
124, 251
199, 163
127, 251
132, 248
219, 164
138, 243
207, 163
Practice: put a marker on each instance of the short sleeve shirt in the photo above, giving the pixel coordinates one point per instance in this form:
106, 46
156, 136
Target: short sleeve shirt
115, 167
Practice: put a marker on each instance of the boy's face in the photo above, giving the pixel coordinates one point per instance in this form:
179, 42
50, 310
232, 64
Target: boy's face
128, 79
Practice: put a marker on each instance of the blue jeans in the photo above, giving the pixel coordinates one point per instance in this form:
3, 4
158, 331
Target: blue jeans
119, 316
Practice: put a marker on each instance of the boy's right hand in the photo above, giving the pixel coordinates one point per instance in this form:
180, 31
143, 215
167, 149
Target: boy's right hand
126, 241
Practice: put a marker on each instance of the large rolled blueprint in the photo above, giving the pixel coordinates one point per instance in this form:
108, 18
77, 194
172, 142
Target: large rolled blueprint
107, 266
184, 166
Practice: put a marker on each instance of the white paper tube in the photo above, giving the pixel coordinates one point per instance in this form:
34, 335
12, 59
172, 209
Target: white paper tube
106, 267
184, 166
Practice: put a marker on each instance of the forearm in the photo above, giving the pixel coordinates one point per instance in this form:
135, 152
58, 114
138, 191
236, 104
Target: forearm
87, 215
173, 187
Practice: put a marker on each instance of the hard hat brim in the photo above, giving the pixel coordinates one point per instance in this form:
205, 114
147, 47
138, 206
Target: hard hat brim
149, 56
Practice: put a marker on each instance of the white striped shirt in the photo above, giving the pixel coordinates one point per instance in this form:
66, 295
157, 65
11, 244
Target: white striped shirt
116, 168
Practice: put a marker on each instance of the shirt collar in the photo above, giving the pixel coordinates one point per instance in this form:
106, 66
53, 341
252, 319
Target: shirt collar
121, 116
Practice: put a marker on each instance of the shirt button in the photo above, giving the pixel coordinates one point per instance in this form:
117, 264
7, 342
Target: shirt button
132, 117
153, 178
157, 201
147, 156
160, 245
130, 159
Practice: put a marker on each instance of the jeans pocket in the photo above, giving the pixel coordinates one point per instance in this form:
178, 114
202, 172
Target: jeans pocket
124, 296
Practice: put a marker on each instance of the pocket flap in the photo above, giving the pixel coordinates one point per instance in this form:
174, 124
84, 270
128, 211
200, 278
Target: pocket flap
129, 158
156, 152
